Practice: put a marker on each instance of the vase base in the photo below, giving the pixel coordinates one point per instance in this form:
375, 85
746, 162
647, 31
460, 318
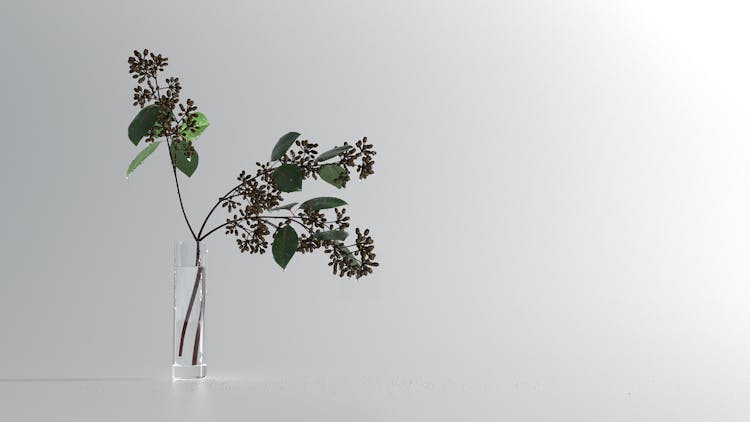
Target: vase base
182, 372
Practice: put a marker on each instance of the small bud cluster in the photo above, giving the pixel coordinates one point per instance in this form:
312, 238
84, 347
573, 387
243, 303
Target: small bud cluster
144, 67
304, 158
359, 158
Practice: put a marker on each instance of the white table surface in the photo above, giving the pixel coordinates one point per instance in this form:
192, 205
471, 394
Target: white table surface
268, 398
275, 397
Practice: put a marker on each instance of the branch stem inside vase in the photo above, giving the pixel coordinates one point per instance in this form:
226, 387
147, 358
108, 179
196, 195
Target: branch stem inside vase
193, 295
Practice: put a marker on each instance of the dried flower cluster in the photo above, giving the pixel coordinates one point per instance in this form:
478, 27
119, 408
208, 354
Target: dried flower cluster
365, 153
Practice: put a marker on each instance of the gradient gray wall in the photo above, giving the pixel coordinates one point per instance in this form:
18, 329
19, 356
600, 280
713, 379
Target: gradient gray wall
560, 200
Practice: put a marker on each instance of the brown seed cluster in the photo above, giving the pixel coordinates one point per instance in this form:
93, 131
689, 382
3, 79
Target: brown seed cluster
313, 219
360, 157
367, 155
304, 158
253, 240
365, 248
344, 262
145, 67
259, 196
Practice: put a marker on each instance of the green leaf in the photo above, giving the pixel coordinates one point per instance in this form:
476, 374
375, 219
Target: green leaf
145, 152
183, 163
284, 143
201, 123
285, 243
284, 207
158, 129
323, 202
332, 173
331, 235
332, 153
288, 178
142, 123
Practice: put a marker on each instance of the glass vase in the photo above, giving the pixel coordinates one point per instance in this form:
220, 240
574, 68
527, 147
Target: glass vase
188, 360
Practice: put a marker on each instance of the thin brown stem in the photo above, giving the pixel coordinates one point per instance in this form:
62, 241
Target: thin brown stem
222, 199
303, 226
173, 161
189, 309
199, 327
179, 196
259, 217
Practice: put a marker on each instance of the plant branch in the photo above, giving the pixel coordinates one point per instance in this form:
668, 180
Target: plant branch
257, 217
199, 327
172, 159
224, 198
179, 196
190, 308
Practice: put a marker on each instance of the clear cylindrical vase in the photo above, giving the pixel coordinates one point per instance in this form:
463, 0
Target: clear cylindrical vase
188, 360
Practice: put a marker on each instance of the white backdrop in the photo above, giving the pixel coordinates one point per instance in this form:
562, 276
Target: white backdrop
560, 200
